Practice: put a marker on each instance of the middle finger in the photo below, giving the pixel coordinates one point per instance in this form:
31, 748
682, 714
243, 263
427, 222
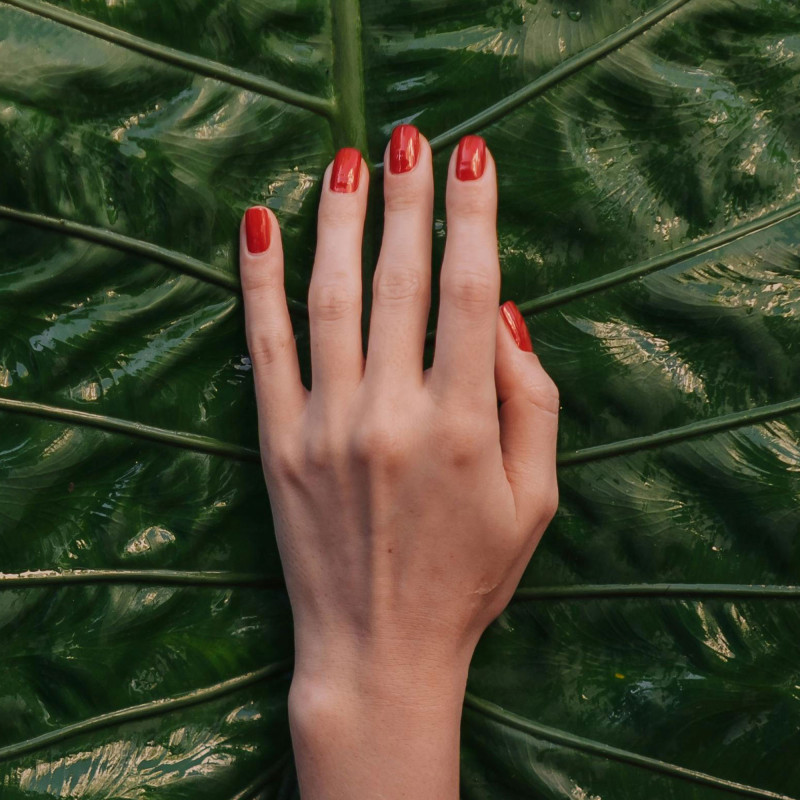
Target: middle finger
402, 283
334, 294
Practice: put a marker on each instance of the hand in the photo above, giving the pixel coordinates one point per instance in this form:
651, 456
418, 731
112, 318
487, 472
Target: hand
406, 503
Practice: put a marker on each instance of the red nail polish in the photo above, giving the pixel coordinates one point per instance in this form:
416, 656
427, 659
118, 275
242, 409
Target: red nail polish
256, 228
516, 324
471, 158
346, 170
403, 149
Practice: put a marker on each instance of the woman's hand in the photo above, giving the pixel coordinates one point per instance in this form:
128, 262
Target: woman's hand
406, 503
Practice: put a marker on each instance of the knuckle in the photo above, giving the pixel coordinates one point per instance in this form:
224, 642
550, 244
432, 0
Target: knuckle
543, 393
281, 462
470, 290
465, 438
399, 201
267, 348
471, 202
321, 451
496, 606
332, 301
549, 502
544, 498
256, 276
378, 441
393, 285
336, 212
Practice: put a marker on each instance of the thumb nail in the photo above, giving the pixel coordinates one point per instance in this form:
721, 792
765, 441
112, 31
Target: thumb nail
516, 324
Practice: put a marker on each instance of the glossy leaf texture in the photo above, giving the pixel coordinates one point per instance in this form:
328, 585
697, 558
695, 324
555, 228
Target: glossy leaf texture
648, 155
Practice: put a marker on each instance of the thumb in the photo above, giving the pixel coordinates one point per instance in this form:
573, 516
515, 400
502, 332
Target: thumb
528, 421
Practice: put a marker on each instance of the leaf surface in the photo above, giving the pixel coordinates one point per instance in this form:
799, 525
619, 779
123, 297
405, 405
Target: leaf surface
649, 218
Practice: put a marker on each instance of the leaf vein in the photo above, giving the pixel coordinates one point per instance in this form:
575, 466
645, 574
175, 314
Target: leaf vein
127, 244
150, 577
592, 747
266, 777
208, 444
564, 70
154, 708
188, 441
118, 241
197, 64
725, 422
697, 248
687, 591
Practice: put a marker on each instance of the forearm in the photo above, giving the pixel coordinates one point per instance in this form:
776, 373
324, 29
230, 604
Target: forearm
385, 731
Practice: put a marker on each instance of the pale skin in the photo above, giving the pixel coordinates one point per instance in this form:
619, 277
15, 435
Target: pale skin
407, 502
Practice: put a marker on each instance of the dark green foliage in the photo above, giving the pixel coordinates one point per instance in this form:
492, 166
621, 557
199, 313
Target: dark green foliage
649, 226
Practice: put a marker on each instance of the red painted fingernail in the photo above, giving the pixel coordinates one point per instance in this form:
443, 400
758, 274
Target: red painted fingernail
256, 228
404, 149
471, 158
516, 324
346, 170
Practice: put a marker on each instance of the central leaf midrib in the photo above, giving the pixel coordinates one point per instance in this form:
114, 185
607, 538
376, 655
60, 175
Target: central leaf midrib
348, 122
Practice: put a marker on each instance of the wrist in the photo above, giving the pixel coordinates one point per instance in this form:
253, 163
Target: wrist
345, 689
383, 673
392, 722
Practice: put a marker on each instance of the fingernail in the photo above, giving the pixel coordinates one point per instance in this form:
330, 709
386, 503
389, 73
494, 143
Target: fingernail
471, 158
404, 149
346, 170
256, 228
516, 324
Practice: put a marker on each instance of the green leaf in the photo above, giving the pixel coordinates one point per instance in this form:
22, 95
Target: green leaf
648, 160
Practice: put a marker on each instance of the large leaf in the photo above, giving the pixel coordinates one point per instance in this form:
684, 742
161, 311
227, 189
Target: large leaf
648, 156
